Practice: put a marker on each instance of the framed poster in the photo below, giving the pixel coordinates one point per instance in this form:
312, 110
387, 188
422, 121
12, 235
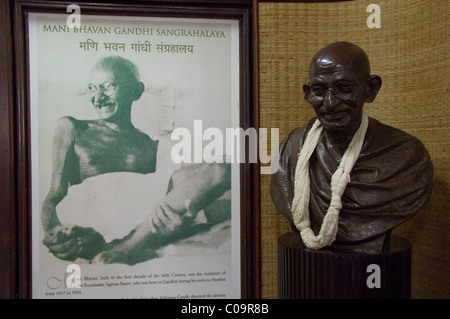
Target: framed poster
130, 120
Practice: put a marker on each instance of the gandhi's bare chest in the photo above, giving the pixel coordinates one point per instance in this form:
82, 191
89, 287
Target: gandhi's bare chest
101, 151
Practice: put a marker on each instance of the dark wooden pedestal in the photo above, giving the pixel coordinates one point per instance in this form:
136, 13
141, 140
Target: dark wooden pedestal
312, 274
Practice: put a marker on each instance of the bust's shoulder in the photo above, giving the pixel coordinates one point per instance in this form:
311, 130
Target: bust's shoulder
380, 135
299, 133
395, 149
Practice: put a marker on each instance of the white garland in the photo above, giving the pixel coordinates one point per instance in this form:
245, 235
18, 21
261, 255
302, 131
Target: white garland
339, 180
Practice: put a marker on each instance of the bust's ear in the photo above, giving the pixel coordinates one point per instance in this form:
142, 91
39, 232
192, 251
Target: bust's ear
373, 87
305, 88
138, 90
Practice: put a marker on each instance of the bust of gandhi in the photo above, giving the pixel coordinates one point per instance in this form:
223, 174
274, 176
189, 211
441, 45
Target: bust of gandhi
345, 180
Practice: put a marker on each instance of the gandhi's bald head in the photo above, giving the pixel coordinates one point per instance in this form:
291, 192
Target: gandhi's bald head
346, 54
123, 69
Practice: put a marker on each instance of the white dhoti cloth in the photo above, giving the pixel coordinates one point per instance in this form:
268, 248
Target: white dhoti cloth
115, 203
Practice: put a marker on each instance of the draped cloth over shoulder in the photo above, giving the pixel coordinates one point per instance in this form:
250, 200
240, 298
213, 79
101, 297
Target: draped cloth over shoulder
390, 182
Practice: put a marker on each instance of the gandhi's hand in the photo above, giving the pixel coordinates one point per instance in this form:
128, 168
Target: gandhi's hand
72, 242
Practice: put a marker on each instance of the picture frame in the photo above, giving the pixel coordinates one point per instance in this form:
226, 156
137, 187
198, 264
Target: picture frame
20, 138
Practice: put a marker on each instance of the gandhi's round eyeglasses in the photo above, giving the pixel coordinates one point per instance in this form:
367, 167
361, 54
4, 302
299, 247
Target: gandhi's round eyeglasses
315, 94
108, 88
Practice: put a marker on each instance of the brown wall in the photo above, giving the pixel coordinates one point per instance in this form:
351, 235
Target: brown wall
411, 53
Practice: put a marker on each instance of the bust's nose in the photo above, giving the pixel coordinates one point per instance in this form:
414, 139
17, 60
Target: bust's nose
330, 101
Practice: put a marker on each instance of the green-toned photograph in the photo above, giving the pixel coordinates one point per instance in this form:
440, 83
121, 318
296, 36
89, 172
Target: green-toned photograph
117, 210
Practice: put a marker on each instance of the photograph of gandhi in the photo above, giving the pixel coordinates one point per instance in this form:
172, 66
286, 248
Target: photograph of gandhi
78, 215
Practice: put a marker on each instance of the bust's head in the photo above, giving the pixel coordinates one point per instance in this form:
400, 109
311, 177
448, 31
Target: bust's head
340, 84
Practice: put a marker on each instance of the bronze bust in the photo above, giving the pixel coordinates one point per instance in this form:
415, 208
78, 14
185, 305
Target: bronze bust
356, 178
